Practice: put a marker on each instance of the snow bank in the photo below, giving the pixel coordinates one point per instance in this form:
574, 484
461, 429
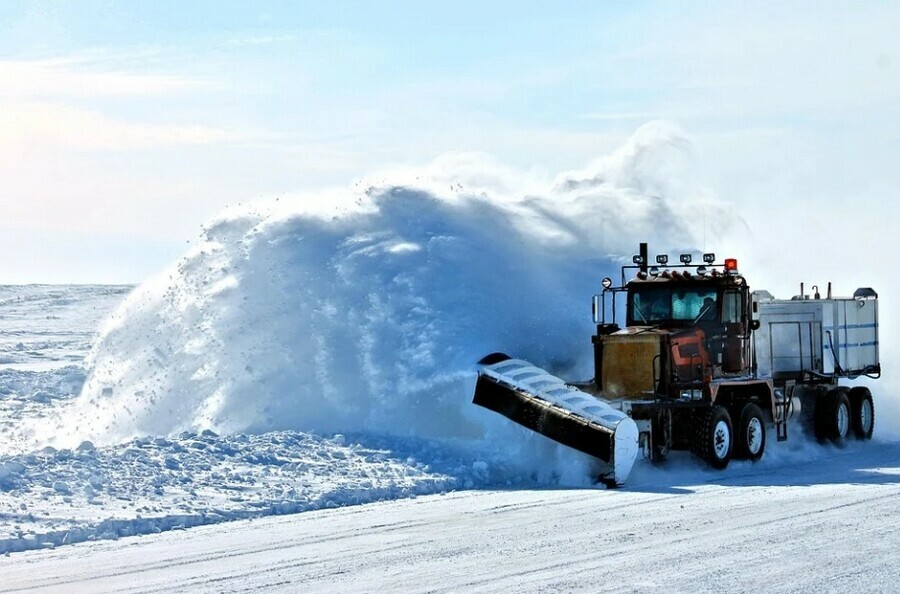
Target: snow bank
54, 497
366, 310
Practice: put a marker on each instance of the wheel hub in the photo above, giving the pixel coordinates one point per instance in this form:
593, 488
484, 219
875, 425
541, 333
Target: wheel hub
865, 415
721, 440
843, 420
754, 436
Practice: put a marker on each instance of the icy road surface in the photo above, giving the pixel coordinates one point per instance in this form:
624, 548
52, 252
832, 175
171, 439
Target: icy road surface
824, 526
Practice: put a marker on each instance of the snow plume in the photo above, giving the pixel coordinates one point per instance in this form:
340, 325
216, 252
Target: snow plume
366, 310
886, 391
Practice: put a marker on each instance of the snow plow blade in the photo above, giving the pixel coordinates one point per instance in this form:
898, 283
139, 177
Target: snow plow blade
544, 403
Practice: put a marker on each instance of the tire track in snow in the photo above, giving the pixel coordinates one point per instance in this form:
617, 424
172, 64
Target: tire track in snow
586, 562
179, 561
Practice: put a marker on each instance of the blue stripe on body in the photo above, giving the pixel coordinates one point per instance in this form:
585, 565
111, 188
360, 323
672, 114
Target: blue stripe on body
853, 346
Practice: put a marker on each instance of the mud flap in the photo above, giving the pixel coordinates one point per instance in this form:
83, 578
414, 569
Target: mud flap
544, 403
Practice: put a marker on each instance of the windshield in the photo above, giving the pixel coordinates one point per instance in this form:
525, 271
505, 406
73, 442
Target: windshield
653, 305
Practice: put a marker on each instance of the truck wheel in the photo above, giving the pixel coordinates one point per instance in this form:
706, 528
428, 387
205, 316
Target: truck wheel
751, 434
862, 412
832, 416
713, 437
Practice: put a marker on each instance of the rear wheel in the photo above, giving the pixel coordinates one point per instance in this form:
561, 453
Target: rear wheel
751, 434
832, 416
862, 412
713, 438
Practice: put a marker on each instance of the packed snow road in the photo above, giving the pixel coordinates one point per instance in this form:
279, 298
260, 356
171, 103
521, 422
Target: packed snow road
828, 525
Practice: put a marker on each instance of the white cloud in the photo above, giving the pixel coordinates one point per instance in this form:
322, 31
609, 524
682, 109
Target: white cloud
73, 78
37, 114
261, 40
30, 127
638, 115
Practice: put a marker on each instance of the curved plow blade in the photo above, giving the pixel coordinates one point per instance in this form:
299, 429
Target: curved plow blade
542, 402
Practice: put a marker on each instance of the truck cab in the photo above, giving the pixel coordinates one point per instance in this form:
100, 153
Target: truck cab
718, 307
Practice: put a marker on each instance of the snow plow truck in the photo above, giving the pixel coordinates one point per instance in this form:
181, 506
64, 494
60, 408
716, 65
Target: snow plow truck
702, 363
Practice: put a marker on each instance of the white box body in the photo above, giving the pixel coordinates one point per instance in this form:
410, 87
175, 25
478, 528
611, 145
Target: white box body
822, 336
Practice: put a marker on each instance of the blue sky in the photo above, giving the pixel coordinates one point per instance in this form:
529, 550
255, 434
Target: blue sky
125, 125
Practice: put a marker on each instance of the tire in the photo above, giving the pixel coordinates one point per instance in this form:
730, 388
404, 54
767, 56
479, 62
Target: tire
750, 442
862, 413
832, 416
713, 438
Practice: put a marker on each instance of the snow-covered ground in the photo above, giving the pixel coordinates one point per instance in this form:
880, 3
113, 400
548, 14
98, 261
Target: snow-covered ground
298, 359
52, 496
827, 525
46, 327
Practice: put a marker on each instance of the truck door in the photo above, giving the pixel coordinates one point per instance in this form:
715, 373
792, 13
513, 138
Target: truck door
735, 351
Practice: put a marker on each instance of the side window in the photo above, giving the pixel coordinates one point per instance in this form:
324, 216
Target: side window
732, 307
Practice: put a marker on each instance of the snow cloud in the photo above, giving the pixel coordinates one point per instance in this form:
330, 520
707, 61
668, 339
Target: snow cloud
369, 314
